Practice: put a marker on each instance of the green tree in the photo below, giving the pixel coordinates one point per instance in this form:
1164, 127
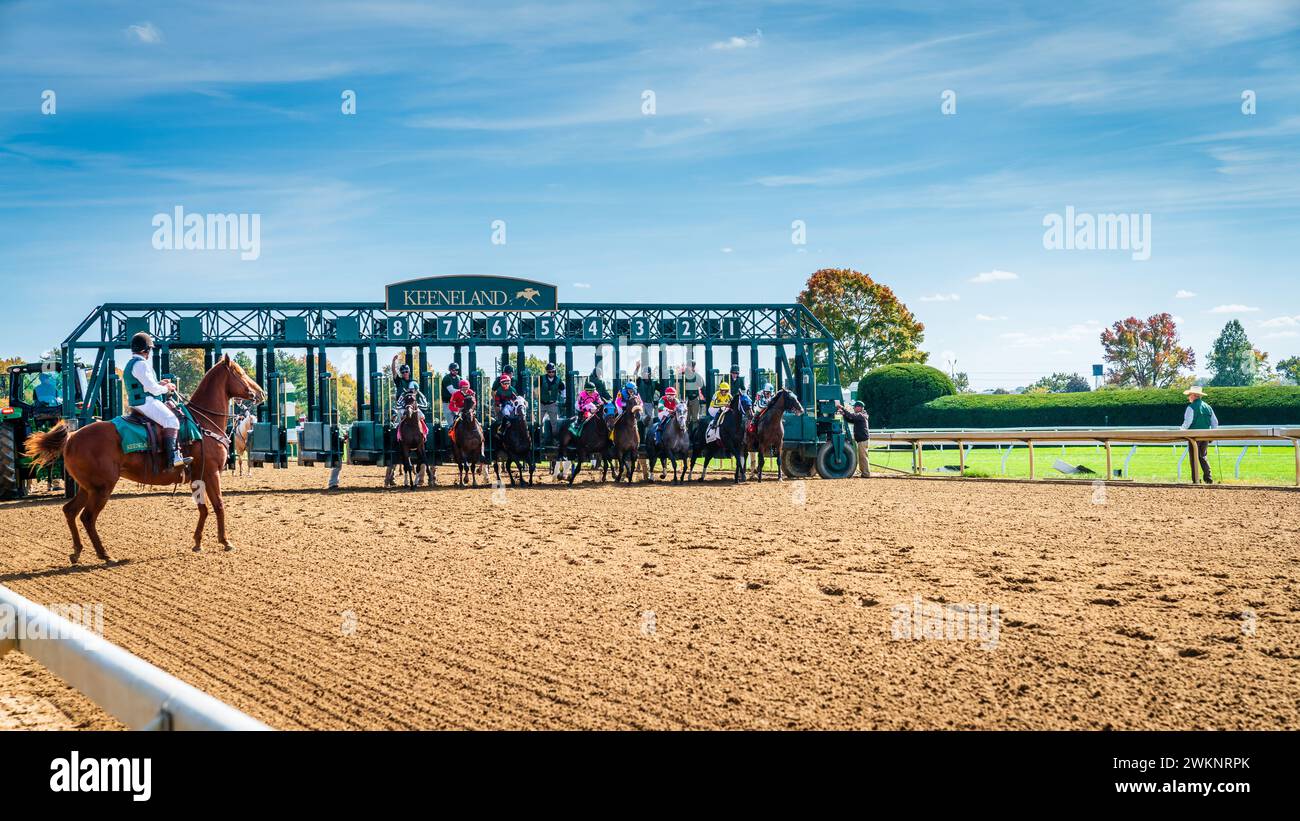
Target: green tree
1234, 361
1289, 369
961, 381
1145, 353
1060, 383
869, 324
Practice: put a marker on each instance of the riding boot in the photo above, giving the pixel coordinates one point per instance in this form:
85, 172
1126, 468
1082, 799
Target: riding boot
169, 445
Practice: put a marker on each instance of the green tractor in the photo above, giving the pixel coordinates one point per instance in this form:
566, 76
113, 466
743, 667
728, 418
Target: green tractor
35, 395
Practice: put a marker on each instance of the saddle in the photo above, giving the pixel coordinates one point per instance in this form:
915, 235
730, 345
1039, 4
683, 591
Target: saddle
153, 439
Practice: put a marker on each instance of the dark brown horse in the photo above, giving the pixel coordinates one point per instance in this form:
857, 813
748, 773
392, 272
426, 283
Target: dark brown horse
467, 444
410, 442
93, 457
767, 434
592, 440
627, 440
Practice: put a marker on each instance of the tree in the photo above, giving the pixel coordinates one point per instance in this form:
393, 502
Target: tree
869, 324
1234, 361
1060, 383
961, 381
1145, 353
1289, 369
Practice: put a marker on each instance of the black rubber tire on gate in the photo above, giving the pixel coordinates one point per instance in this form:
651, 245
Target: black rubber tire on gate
837, 463
795, 465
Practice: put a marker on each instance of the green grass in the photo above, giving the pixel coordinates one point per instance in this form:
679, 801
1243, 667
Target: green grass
1267, 465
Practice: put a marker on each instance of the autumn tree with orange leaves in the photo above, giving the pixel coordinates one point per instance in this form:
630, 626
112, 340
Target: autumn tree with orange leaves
1145, 353
871, 327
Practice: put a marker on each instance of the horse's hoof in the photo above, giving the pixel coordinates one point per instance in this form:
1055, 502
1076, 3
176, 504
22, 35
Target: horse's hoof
228, 548
197, 548
73, 558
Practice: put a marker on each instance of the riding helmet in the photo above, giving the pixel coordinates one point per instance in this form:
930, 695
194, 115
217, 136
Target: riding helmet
453, 367
141, 342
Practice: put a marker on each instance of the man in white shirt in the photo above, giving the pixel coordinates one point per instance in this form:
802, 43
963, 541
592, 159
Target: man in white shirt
147, 395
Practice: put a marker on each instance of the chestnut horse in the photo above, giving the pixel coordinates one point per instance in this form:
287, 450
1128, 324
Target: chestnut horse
93, 457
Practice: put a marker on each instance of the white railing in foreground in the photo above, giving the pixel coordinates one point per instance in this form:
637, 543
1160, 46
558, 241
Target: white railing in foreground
1104, 436
129, 688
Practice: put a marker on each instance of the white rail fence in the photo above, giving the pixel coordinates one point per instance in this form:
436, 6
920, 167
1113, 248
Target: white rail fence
130, 689
1242, 435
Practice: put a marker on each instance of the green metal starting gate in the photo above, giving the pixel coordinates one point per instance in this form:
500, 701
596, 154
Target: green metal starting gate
468, 317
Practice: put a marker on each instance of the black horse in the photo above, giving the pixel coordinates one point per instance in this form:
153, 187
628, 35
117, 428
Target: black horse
592, 440
674, 442
730, 442
515, 448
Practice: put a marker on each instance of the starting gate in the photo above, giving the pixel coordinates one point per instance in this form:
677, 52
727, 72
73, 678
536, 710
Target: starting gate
471, 316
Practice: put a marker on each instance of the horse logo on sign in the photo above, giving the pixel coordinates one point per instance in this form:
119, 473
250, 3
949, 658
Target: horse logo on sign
529, 294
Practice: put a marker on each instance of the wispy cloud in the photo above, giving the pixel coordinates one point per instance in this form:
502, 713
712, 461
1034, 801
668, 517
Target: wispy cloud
941, 298
582, 285
733, 43
1184, 294
1233, 309
993, 276
987, 318
145, 33
1281, 322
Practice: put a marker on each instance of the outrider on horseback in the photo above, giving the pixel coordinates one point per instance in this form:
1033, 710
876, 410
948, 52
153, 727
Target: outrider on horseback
145, 445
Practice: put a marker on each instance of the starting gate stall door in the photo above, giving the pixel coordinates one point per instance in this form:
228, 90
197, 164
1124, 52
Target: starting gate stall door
369, 442
430, 387
268, 443
320, 441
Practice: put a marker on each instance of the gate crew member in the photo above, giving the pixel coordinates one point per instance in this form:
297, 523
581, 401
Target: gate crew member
859, 419
147, 395
737, 381
450, 382
550, 395
1200, 416
692, 391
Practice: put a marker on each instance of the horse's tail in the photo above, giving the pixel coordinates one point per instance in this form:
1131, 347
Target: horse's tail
43, 448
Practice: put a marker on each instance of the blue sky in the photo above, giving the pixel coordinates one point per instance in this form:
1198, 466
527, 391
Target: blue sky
765, 113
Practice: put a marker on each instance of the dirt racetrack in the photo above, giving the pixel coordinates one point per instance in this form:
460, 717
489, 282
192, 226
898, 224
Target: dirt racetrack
767, 606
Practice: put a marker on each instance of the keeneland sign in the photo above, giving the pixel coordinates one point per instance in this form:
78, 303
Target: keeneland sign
470, 293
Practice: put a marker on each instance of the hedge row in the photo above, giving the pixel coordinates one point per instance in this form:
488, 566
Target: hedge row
892, 390
1114, 408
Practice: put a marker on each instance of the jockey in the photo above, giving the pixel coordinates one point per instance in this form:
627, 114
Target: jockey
503, 398
588, 400
721, 402
667, 407
588, 403
668, 404
402, 383
457, 403
149, 397
626, 396
764, 396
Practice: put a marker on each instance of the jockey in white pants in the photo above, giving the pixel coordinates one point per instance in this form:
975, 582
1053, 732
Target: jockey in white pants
148, 396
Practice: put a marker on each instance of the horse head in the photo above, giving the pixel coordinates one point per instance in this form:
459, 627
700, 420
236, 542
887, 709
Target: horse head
791, 402
238, 384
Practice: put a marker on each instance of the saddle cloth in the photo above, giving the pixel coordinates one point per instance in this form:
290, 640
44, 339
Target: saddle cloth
140, 434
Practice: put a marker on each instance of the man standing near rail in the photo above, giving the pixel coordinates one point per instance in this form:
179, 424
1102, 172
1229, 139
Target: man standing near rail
1200, 416
861, 434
